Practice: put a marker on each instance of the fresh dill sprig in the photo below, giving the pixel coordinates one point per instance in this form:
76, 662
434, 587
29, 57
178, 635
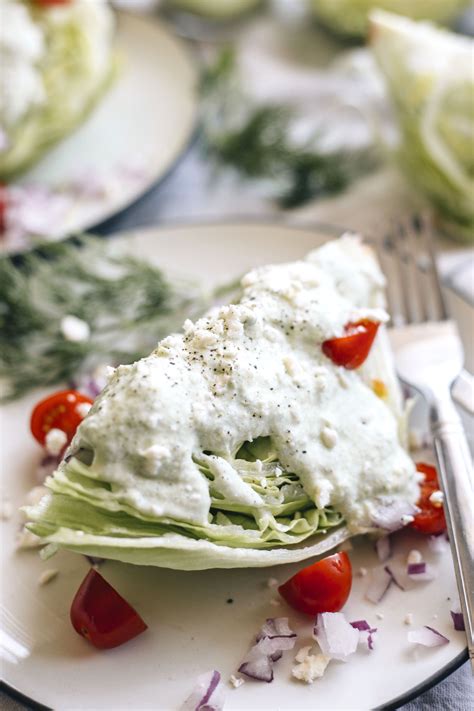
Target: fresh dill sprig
255, 140
127, 302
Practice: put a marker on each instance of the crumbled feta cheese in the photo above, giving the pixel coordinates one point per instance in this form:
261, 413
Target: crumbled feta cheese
310, 667
362, 572
406, 519
236, 681
272, 583
26, 540
55, 440
83, 408
328, 437
414, 557
302, 654
75, 329
6, 509
408, 618
322, 493
47, 575
437, 498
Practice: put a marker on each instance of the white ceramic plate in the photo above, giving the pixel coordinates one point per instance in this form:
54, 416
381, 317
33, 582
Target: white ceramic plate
193, 626
135, 133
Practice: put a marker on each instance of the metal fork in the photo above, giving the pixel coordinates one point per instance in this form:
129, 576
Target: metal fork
429, 365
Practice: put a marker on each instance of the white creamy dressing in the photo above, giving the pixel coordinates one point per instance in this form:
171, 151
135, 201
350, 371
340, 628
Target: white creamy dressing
250, 370
21, 49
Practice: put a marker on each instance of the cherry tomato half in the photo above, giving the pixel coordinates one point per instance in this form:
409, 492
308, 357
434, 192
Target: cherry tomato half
431, 518
60, 411
351, 350
102, 616
321, 587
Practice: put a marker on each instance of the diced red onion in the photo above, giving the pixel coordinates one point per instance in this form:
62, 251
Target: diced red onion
276, 627
274, 637
380, 581
420, 572
383, 547
398, 569
335, 635
361, 625
207, 695
458, 619
427, 636
390, 514
366, 631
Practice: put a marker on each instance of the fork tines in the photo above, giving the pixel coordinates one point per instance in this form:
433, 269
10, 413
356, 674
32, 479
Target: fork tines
407, 256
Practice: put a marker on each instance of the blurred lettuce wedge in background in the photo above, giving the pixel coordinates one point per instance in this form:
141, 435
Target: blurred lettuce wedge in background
429, 74
351, 17
76, 67
215, 9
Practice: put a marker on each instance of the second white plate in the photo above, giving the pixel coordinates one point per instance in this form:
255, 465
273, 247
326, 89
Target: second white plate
132, 137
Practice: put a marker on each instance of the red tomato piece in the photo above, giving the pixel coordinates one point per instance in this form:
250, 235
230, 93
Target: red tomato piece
351, 350
60, 411
321, 587
431, 518
102, 616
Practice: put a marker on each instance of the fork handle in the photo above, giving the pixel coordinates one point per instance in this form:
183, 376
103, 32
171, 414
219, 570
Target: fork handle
456, 480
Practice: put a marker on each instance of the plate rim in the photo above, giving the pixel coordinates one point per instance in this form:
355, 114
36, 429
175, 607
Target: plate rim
181, 152
254, 221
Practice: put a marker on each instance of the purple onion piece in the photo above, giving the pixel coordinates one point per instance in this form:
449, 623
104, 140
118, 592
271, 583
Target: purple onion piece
380, 581
458, 620
383, 547
207, 695
335, 635
416, 568
427, 637
259, 669
361, 625
390, 514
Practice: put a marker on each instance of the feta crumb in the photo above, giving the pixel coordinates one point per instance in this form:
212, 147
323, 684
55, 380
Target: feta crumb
406, 519
272, 583
302, 654
236, 681
414, 557
83, 408
55, 441
6, 510
26, 540
275, 602
379, 615
362, 572
437, 498
47, 575
312, 667
408, 618
328, 437
75, 329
